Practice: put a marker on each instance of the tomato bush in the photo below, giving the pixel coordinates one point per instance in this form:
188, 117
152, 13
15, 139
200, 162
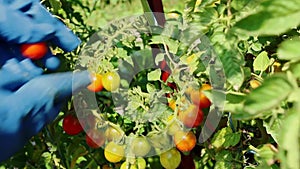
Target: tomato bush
250, 61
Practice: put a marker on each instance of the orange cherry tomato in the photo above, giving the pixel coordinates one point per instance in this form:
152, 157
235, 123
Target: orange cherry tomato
191, 117
96, 85
34, 51
185, 141
198, 97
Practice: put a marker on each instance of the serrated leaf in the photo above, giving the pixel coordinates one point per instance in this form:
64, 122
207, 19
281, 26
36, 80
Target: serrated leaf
233, 68
261, 62
154, 75
225, 138
273, 127
172, 44
273, 18
269, 95
289, 50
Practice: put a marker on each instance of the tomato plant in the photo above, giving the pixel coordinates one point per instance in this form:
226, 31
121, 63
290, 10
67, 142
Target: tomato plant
71, 125
242, 50
34, 51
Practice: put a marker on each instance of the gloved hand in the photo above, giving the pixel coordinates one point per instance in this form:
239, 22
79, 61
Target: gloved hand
28, 99
27, 21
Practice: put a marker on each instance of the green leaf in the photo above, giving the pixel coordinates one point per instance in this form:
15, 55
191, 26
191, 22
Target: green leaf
289, 146
55, 4
154, 75
172, 44
269, 95
261, 62
273, 17
289, 50
273, 126
225, 138
233, 68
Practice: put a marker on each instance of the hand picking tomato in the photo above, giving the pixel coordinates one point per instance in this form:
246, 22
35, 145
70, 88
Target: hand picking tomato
140, 146
114, 152
111, 81
34, 51
96, 85
71, 125
185, 141
95, 138
191, 117
170, 159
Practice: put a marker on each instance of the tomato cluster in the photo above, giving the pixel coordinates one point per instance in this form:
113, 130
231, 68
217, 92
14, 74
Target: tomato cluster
109, 81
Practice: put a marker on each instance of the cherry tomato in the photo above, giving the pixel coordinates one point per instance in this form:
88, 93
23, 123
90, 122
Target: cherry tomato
140, 146
199, 98
163, 65
254, 83
170, 159
96, 85
112, 134
114, 152
191, 117
95, 138
71, 125
140, 163
111, 81
185, 141
164, 76
34, 50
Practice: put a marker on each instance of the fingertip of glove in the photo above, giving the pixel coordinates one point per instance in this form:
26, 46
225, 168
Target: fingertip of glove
67, 41
52, 63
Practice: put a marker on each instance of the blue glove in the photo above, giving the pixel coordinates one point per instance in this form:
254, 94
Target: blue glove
27, 21
28, 99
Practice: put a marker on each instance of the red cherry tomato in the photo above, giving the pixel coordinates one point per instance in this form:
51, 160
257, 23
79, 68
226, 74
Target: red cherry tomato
71, 125
96, 85
34, 51
95, 138
164, 76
